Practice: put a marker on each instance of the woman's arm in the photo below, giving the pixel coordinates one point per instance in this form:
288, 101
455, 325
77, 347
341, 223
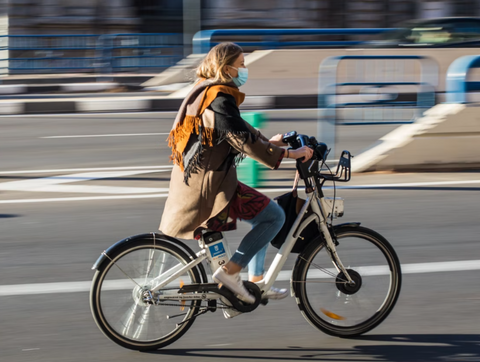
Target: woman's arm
252, 142
275, 143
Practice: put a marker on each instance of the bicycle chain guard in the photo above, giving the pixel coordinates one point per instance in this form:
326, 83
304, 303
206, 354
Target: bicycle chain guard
229, 295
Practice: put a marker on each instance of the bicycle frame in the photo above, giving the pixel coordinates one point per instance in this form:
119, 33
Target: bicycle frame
318, 206
316, 203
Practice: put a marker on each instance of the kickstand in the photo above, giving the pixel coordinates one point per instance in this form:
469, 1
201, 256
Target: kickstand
194, 316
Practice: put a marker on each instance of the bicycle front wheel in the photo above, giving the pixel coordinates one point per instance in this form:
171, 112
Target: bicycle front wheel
344, 309
118, 287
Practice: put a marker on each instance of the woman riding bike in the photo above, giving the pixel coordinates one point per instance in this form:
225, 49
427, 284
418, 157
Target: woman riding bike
208, 139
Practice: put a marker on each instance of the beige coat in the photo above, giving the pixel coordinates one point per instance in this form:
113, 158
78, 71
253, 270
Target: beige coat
189, 207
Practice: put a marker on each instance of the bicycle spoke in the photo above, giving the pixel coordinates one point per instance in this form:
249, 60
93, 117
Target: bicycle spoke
143, 322
150, 265
337, 306
122, 307
131, 312
114, 263
151, 261
325, 270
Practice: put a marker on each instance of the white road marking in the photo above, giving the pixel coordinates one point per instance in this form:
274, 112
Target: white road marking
285, 275
275, 190
109, 135
92, 189
54, 183
21, 172
86, 198
413, 184
55, 180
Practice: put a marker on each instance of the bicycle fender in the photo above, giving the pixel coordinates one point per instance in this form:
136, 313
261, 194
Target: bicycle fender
346, 225
121, 243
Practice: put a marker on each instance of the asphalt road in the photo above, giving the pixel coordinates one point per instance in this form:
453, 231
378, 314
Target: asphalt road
61, 204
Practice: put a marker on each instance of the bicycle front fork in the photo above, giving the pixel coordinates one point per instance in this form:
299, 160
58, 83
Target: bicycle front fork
331, 247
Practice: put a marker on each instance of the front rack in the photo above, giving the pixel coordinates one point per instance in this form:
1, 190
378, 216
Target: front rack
342, 174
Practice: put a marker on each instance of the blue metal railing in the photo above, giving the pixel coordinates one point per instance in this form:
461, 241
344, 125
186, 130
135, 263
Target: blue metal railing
24, 54
457, 84
274, 38
140, 52
378, 78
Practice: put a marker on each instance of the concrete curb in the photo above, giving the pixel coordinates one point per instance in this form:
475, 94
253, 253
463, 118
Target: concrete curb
139, 104
50, 79
17, 89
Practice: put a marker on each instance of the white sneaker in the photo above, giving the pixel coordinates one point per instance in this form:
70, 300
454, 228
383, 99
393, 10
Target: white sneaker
275, 293
234, 283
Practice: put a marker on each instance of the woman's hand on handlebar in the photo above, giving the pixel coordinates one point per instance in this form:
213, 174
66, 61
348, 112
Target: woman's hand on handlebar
277, 140
305, 152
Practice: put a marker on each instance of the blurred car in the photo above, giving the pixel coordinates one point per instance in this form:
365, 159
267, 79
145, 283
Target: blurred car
461, 32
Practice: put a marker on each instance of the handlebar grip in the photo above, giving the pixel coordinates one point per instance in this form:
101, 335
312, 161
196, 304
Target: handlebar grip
303, 142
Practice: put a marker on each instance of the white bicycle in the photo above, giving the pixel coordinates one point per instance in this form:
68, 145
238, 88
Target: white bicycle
148, 289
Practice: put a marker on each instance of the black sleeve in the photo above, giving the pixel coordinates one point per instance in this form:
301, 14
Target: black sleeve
241, 135
227, 114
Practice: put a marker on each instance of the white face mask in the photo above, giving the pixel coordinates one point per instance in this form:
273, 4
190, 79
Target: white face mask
242, 77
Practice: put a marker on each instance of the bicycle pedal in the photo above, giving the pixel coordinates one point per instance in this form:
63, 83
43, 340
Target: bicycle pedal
264, 302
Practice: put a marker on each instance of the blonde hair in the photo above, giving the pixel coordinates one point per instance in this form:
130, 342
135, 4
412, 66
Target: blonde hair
219, 56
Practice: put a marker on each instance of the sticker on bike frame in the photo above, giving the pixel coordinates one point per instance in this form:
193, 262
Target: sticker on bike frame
217, 249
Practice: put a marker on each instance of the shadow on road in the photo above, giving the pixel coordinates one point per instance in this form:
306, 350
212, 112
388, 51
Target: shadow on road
8, 216
394, 348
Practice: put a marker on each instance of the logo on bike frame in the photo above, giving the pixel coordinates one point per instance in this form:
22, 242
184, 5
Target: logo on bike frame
217, 249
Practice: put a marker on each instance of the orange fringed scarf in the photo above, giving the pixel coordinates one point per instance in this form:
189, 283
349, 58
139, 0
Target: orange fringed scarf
189, 118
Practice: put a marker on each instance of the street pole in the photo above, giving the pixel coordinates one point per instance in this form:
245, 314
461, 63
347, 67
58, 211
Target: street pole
191, 23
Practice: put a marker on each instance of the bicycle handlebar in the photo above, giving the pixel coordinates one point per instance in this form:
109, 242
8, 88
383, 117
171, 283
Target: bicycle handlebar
294, 140
320, 153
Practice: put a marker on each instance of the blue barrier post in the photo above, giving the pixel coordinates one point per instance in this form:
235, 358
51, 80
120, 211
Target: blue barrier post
250, 171
457, 85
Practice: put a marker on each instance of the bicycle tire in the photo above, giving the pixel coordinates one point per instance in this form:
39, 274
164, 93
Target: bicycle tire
344, 324
106, 321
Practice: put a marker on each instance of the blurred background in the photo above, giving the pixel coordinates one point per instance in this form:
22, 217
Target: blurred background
76, 44
88, 94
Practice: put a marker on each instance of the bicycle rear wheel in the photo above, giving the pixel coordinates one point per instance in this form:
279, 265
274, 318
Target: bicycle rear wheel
340, 309
116, 297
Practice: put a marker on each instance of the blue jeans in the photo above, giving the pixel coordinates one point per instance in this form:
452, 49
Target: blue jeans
253, 248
